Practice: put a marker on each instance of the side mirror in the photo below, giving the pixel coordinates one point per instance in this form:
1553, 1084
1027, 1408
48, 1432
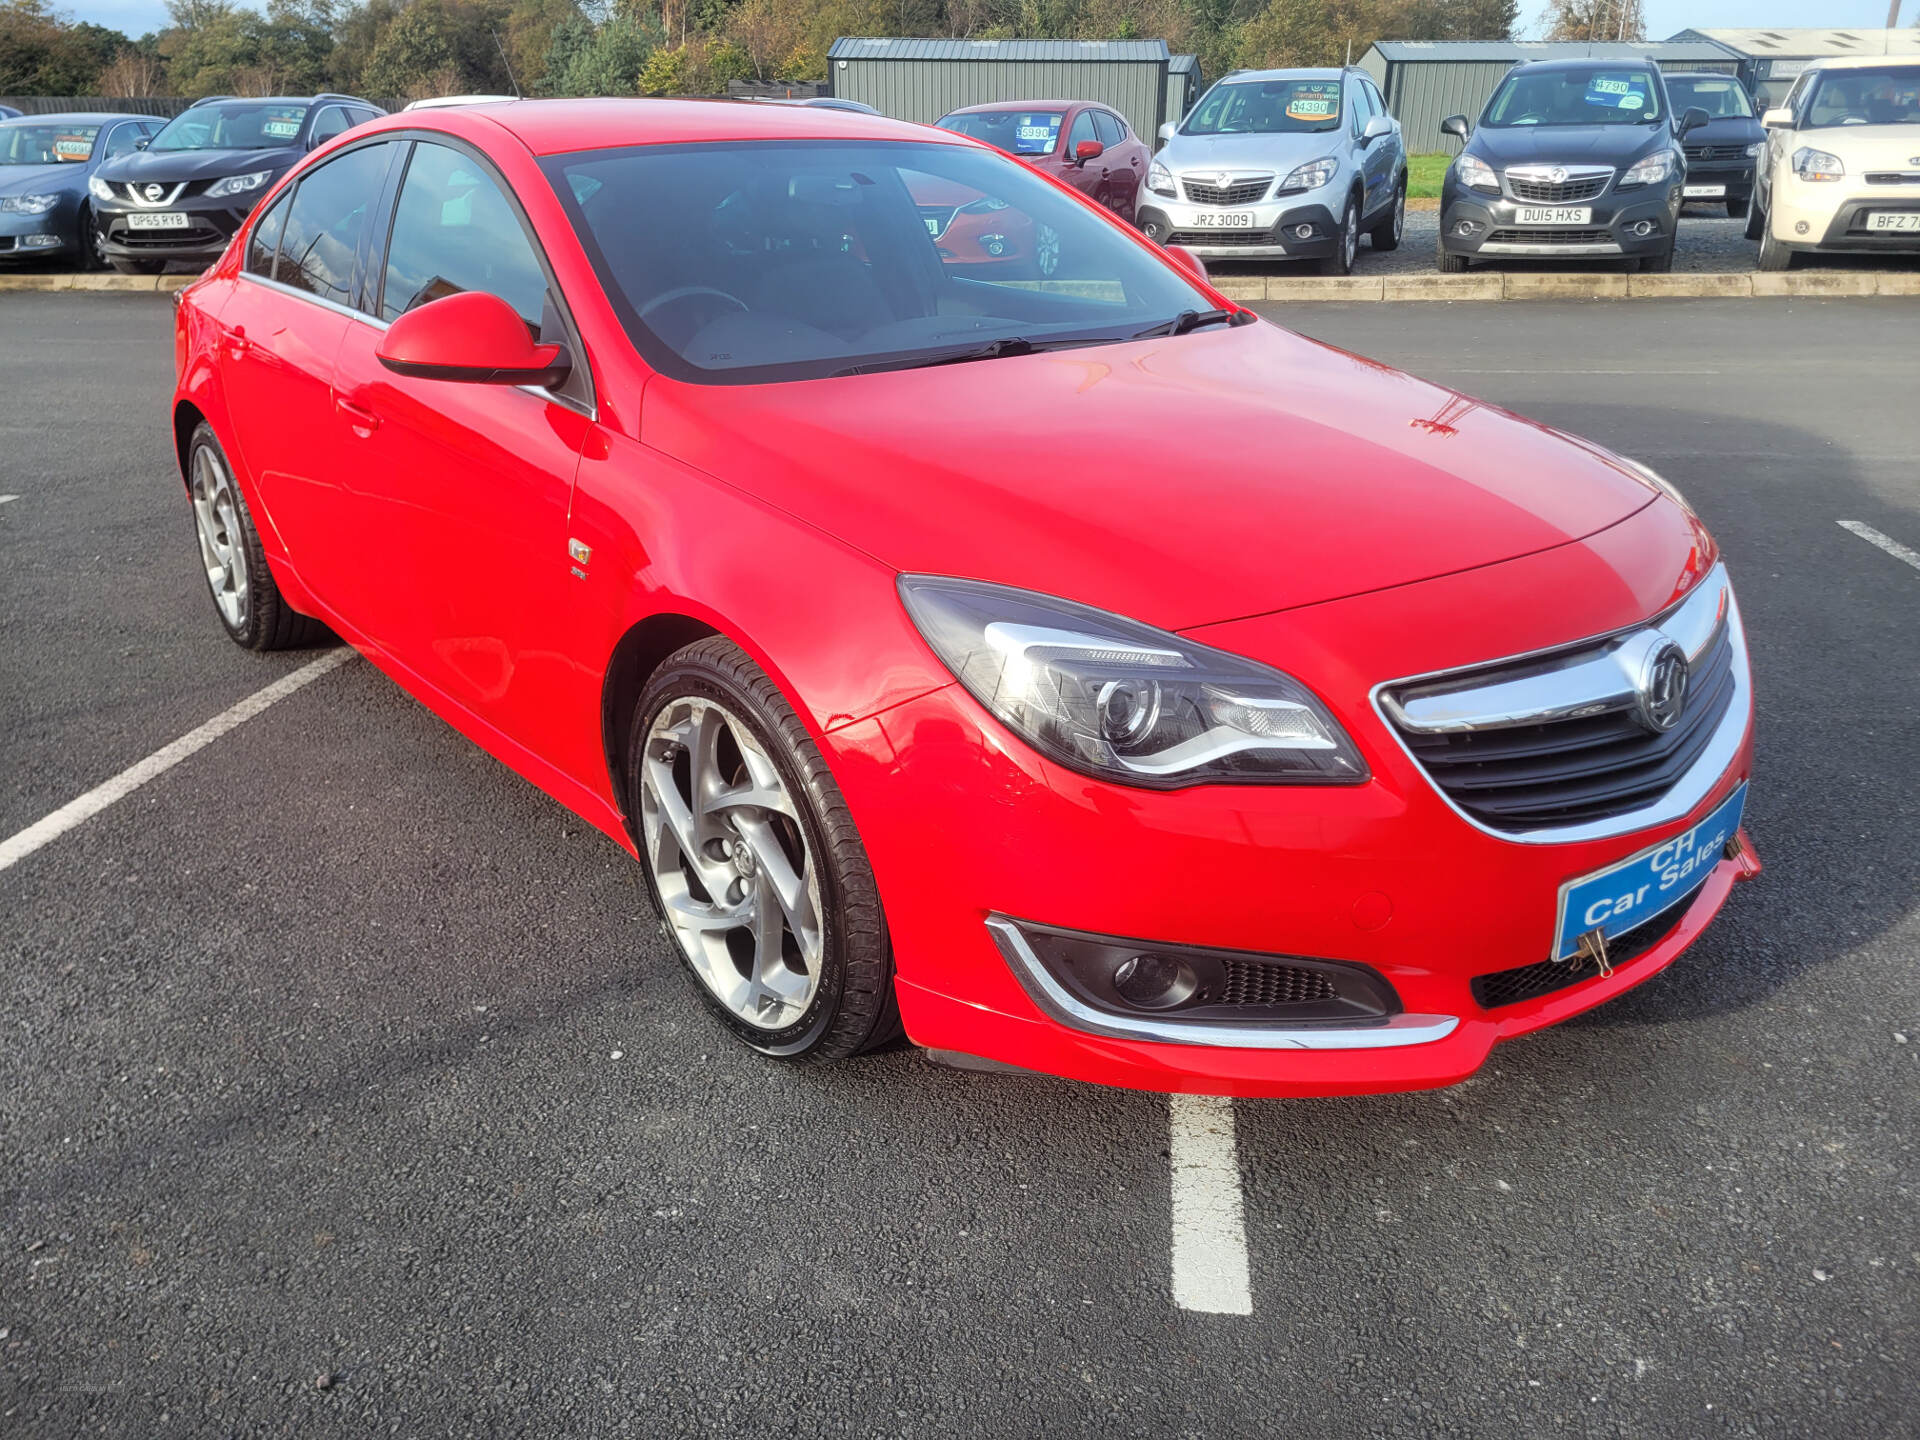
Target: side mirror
1692, 120
143, 142
1088, 150
473, 337
1456, 126
1377, 128
1188, 261
1167, 130
1780, 119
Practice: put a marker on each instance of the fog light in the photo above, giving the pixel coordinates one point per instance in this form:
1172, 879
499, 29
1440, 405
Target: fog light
1154, 982
1303, 232
1465, 227
994, 244
1801, 228
39, 242
1151, 230
1643, 228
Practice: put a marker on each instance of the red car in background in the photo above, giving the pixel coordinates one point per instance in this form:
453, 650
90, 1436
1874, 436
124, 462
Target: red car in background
1078, 143
887, 612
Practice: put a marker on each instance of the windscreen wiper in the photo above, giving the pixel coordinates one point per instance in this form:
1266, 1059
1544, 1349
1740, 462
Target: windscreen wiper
1193, 319
993, 350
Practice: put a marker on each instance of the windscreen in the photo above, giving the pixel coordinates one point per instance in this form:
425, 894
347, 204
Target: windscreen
26, 144
1723, 98
1882, 95
1623, 96
1266, 107
1018, 132
777, 260
233, 125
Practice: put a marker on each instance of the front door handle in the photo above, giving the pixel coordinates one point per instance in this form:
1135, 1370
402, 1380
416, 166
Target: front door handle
363, 420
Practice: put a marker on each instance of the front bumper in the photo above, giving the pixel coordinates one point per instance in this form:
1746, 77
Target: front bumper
1273, 235
210, 225
1813, 221
1384, 875
1497, 232
39, 237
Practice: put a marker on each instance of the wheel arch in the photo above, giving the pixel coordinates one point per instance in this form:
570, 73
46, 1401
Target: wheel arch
638, 653
187, 417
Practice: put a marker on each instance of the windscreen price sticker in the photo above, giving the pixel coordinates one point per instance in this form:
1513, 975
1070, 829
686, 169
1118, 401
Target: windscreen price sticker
1314, 102
72, 147
281, 129
1619, 91
1034, 132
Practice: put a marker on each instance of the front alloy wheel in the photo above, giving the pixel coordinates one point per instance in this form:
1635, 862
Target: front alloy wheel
754, 862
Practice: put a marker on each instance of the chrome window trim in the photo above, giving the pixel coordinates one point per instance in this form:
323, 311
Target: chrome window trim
565, 402
1681, 799
1395, 1032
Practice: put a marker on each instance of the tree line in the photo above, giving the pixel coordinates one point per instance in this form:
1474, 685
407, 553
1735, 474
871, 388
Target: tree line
415, 48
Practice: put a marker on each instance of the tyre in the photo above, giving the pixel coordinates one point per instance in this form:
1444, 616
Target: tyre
1773, 255
1446, 263
1756, 220
1346, 244
1386, 235
245, 597
1738, 206
92, 257
752, 858
1657, 264
139, 267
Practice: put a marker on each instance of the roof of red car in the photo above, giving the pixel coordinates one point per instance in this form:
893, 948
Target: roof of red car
553, 127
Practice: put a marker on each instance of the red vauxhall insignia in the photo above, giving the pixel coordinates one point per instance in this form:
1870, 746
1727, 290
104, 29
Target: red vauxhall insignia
1066, 668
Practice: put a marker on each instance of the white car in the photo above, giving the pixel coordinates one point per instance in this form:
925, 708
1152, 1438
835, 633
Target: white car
441, 102
1841, 169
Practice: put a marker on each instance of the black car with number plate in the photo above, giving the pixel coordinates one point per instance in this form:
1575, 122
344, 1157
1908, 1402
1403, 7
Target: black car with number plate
1571, 158
1720, 154
184, 195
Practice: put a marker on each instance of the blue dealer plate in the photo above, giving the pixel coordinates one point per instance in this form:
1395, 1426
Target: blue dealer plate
1622, 896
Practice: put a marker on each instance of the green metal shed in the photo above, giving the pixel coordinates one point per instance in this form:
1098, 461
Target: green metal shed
1184, 84
922, 80
1425, 81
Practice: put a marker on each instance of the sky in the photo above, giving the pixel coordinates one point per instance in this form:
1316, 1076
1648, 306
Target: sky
1664, 17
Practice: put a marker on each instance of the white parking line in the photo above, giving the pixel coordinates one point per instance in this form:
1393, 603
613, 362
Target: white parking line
18, 847
5, 498
1886, 542
1209, 1230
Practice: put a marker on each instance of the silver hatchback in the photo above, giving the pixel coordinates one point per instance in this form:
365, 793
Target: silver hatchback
1283, 165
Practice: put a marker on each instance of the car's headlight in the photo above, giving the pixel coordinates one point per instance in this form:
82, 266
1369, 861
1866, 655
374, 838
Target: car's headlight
1124, 702
1312, 175
1476, 174
1753, 150
1811, 164
99, 188
1649, 169
238, 184
1159, 179
28, 204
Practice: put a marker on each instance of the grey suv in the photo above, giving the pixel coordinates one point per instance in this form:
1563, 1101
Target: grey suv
1281, 164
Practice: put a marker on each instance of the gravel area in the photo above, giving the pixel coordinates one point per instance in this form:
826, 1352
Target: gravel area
1709, 241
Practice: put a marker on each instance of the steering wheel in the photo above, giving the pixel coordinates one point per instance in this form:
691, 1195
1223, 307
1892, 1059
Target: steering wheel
689, 292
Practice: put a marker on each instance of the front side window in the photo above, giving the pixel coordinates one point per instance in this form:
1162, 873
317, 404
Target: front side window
1575, 97
1266, 107
1018, 132
1082, 130
234, 125
1881, 95
123, 140
24, 144
331, 121
322, 235
1722, 98
455, 230
803, 259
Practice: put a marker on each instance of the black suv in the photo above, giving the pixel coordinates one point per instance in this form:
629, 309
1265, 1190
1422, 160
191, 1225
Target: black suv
185, 193
1570, 158
1720, 154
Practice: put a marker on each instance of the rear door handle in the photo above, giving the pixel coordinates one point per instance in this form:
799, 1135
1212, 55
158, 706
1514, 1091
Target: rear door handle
363, 420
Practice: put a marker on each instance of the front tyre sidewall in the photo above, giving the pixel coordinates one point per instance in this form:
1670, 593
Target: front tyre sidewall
852, 1007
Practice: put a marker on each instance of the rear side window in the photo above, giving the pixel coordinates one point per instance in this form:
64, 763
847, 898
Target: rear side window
1108, 128
265, 238
454, 230
323, 226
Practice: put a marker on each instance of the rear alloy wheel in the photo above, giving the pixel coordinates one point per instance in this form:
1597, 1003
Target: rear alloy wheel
1386, 235
1346, 244
752, 858
245, 597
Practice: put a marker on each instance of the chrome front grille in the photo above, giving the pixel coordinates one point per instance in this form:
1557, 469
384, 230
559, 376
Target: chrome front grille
1241, 190
1556, 184
1568, 744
